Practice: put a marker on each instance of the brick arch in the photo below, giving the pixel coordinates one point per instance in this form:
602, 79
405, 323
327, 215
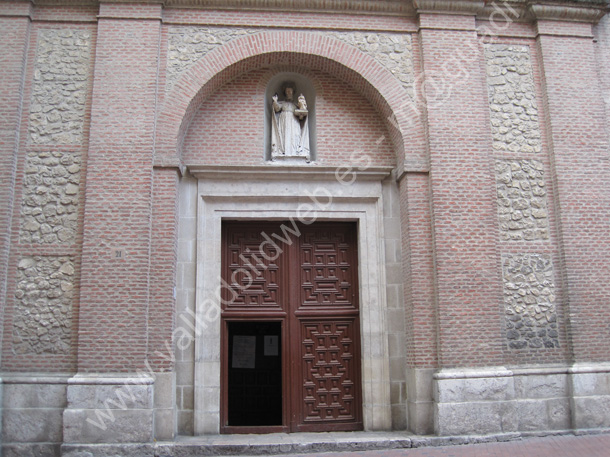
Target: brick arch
305, 72
293, 48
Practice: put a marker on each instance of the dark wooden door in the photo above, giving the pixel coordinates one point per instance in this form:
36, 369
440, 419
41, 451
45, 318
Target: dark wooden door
304, 278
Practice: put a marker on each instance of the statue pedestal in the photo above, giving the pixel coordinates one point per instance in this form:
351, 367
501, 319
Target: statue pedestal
290, 159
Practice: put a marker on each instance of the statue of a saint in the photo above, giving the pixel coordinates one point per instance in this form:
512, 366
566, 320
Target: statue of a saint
289, 126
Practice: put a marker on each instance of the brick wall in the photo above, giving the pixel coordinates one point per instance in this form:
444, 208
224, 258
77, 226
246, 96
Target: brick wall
224, 131
462, 196
418, 260
14, 33
578, 143
135, 108
602, 48
115, 280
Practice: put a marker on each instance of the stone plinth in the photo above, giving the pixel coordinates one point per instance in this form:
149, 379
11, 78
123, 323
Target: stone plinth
108, 410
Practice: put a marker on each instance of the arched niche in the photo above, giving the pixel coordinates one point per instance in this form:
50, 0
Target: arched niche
303, 86
307, 49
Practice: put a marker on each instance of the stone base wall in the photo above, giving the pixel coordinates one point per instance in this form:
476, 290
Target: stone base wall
591, 396
109, 410
420, 402
32, 409
500, 400
102, 415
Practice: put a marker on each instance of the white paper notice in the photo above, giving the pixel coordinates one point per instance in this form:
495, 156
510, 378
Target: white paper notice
244, 351
271, 345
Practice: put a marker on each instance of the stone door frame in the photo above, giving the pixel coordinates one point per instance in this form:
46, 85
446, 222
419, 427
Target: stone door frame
281, 193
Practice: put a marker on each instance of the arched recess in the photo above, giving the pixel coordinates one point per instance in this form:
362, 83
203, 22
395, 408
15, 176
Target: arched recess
290, 50
304, 49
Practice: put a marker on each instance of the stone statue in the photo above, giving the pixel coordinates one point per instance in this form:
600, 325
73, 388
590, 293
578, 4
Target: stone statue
289, 126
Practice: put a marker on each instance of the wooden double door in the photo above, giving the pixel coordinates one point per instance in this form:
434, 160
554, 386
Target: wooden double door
290, 327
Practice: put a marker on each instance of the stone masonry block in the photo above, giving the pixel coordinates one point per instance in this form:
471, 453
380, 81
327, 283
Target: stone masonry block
541, 386
18, 396
532, 415
186, 45
31, 449
479, 418
61, 81
31, 425
512, 99
592, 412
129, 396
522, 200
165, 424
107, 450
559, 413
587, 384
393, 51
165, 390
50, 202
108, 425
44, 294
529, 301
474, 389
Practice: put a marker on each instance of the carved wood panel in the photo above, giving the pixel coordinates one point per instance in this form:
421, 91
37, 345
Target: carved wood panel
327, 268
329, 371
252, 269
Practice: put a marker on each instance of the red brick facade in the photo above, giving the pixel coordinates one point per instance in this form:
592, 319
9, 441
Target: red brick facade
112, 108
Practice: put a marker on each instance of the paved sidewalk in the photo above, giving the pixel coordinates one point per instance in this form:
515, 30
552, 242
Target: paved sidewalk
552, 446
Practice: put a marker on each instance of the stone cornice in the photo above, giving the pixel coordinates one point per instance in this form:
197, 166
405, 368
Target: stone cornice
569, 11
286, 172
395, 7
386, 7
472, 7
522, 10
563, 10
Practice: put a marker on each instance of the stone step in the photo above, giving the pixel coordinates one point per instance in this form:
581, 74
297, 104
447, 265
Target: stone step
281, 443
303, 443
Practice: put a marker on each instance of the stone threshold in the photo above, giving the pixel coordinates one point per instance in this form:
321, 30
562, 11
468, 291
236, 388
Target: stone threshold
303, 443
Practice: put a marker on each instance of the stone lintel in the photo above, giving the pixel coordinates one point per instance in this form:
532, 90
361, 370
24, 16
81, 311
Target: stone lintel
291, 172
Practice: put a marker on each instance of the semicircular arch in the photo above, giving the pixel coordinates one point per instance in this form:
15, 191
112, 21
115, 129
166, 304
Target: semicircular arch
294, 48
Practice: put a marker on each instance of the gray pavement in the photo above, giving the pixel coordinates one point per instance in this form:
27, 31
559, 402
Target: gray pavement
551, 446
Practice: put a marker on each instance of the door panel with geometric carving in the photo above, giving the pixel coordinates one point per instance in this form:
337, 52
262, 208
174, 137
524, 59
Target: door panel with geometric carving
328, 364
308, 283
